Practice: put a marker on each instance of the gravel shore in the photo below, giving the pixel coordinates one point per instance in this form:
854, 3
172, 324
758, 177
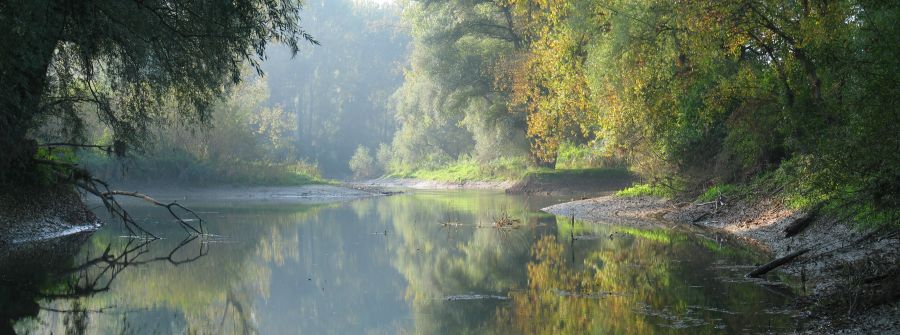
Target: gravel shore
30, 215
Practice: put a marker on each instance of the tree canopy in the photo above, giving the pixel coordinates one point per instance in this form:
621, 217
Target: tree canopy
123, 61
689, 94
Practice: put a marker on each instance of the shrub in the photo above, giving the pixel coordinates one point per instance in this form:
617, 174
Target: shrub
362, 164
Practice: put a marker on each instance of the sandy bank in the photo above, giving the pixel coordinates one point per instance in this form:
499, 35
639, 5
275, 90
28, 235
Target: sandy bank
851, 277
638, 211
418, 184
299, 194
39, 215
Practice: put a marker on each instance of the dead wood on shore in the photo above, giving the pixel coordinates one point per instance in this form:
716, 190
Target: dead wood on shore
765, 268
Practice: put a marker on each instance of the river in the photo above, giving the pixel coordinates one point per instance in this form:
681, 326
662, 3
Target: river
426, 262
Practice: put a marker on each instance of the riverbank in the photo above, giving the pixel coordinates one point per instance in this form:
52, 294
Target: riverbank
313, 193
37, 216
391, 183
850, 281
577, 183
573, 182
31, 215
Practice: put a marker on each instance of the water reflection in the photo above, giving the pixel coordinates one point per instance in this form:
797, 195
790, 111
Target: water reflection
398, 265
63, 289
654, 288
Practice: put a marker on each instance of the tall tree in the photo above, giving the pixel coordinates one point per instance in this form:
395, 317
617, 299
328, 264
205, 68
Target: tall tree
549, 80
450, 104
340, 89
125, 59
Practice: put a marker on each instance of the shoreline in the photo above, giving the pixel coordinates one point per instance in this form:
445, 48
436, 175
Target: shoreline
852, 277
388, 183
29, 218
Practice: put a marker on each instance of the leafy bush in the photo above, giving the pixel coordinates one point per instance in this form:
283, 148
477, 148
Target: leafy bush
714, 192
362, 164
591, 155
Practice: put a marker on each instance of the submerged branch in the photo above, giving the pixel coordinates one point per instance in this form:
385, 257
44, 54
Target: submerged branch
82, 179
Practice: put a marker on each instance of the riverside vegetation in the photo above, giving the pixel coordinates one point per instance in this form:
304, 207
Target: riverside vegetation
788, 105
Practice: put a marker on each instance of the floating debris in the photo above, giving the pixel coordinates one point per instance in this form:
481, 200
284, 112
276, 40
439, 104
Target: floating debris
475, 297
596, 295
504, 220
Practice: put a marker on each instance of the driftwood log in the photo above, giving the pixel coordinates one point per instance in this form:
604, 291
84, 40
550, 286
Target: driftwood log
801, 222
765, 268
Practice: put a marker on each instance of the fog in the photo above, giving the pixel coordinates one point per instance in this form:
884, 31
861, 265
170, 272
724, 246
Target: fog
340, 90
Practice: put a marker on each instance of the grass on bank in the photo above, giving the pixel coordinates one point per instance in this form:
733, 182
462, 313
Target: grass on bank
793, 192
646, 190
190, 172
463, 170
587, 173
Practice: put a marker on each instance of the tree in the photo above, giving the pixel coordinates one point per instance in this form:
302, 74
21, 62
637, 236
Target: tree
125, 60
549, 80
362, 164
339, 91
450, 104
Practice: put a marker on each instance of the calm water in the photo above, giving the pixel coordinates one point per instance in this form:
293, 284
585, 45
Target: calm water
388, 265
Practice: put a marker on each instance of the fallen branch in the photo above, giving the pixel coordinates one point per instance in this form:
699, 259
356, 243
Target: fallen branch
801, 223
113, 206
77, 145
82, 179
168, 206
758, 272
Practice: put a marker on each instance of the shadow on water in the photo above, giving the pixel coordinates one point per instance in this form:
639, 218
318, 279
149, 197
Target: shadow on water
41, 277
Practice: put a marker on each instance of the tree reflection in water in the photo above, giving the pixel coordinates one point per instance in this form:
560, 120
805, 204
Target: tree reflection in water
639, 285
66, 292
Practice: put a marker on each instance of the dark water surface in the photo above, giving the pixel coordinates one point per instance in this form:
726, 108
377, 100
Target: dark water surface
423, 263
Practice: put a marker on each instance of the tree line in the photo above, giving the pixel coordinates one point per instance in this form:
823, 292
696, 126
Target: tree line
796, 94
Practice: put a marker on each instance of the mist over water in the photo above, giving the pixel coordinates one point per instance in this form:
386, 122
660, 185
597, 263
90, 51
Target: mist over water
340, 90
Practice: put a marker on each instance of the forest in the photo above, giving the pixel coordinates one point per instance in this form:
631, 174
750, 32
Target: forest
753, 117
797, 96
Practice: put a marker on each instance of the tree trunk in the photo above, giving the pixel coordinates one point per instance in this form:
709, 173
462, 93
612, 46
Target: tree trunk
25, 55
543, 163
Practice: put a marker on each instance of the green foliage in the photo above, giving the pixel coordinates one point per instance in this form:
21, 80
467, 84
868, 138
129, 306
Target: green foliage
362, 164
45, 174
181, 169
718, 190
248, 144
448, 106
128, 62
639, 190
574, 156
700, 92
468, 169
384, 157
